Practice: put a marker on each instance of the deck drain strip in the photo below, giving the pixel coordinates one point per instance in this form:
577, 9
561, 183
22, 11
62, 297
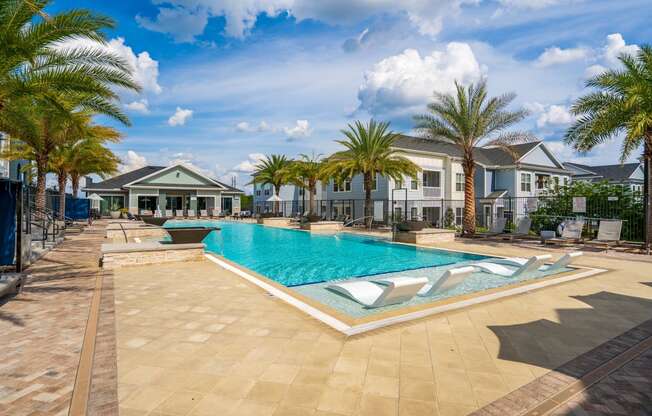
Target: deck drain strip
591, 378
81, 390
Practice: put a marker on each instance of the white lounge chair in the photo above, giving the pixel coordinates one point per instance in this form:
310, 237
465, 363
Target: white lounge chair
203, 213
374, 294
179, 213
572, 233
522, 229
168, 213
532, 264
191, 213
563, 261
497, 228
449, 280
608, 234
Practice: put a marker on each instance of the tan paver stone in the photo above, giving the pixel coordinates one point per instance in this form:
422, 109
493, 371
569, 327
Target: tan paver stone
280, 373
293, 411
340, 401
267, 392
409, 407
387, 368
211, 405
353, 381
417, 390
234, 387
381, 386
455, 409
312, 375
179, 403
371, 405
147, 398
303, 395
247, 408
141, 375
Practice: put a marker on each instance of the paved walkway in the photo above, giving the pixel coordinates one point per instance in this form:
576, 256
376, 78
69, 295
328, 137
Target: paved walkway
42, 328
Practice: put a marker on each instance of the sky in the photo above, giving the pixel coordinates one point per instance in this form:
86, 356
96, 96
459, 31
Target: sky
228, 81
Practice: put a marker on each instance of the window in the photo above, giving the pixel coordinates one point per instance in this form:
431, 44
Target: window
398, 214
414, 213
300, 191
458, 215
542, 181
431, 178
555, 180
414, 184
345, 186
398, 184
526, 182
111, 203
347, 211
258, 192
459, 182
147, 203
565, 181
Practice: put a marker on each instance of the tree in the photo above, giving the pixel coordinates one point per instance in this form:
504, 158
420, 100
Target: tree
621, 104
273, 170
43, 83
90, 156
306, 172
34, 64
466, 119
369, 153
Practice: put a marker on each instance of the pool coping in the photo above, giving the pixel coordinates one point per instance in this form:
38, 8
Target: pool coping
353, 326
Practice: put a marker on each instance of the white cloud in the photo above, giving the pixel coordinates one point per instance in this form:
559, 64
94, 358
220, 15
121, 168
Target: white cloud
145, 69
179, 117
555, 56
404, 83
299, 131
551, 115
594, 70
139, 106
528, 4
132, 161
246, 127
185, 19
615, 47
249, 165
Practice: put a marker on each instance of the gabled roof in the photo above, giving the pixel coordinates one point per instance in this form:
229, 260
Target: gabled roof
487, 156
610, 172
130, 178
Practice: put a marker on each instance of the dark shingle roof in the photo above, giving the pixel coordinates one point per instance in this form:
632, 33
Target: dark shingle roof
610, 172
484, 156
119, 181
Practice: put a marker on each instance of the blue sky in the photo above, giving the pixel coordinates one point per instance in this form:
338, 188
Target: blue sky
226, 81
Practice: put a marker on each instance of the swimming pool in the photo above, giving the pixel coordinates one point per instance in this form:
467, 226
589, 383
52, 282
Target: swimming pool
296, 258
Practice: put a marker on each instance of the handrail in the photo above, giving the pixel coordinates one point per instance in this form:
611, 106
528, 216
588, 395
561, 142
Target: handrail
357, 219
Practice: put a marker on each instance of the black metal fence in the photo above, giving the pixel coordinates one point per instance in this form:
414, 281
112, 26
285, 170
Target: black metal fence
546, 212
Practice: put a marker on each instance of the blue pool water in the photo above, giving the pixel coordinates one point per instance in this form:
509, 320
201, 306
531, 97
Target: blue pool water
295, 258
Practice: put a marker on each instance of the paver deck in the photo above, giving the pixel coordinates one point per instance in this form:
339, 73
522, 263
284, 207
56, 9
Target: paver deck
42, 328
196, 339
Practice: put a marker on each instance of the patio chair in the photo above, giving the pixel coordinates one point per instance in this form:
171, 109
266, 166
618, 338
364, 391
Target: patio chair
563, 261
522, 229
374, 294
531, 265
169, 213
179, 212
191, 213
158, 213
203, 213
449, 280
572, 233
497, 228
608, 234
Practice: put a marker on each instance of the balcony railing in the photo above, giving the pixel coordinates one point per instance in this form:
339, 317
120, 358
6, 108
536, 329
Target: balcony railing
430, 192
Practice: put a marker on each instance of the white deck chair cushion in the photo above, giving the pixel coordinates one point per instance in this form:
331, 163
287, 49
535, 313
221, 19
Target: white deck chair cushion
499, 225
449, 280
532, 264
573, 230
382, 292
524, 226
168, 213
203, 213
563, 261
609, 230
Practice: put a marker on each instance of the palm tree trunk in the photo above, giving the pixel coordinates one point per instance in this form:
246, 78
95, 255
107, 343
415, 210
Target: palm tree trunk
276, 203
367, 200
468, 224
61, 179
647, 187
40, 186
74, 181
311, 198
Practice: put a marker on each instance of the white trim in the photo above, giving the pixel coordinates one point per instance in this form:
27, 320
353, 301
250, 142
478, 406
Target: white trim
180, 187
358, 329
178, 165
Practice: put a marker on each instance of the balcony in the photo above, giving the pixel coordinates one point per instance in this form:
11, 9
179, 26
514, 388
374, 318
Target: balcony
430, 192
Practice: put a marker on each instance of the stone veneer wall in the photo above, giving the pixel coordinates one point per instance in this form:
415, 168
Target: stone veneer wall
131, 255
425, 237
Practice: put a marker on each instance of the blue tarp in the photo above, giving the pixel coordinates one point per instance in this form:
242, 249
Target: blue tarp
76, 208
8, 193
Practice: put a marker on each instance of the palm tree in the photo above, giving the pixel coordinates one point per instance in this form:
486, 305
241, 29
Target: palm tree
91, 157
369, 153
621, 104
33, 64
466, 119
306, 172
273, 170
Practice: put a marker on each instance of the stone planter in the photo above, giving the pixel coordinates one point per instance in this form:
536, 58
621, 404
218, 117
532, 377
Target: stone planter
412, 225
427, 236
323, 226
275, 222
115, 214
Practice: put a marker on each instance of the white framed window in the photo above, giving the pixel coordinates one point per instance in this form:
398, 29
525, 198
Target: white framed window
431, 179
374, 185
414, 213
459, 214
345, 186
526, 182
414, 183
459, 182
542, 181
257, 192
398, 184
266, 192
